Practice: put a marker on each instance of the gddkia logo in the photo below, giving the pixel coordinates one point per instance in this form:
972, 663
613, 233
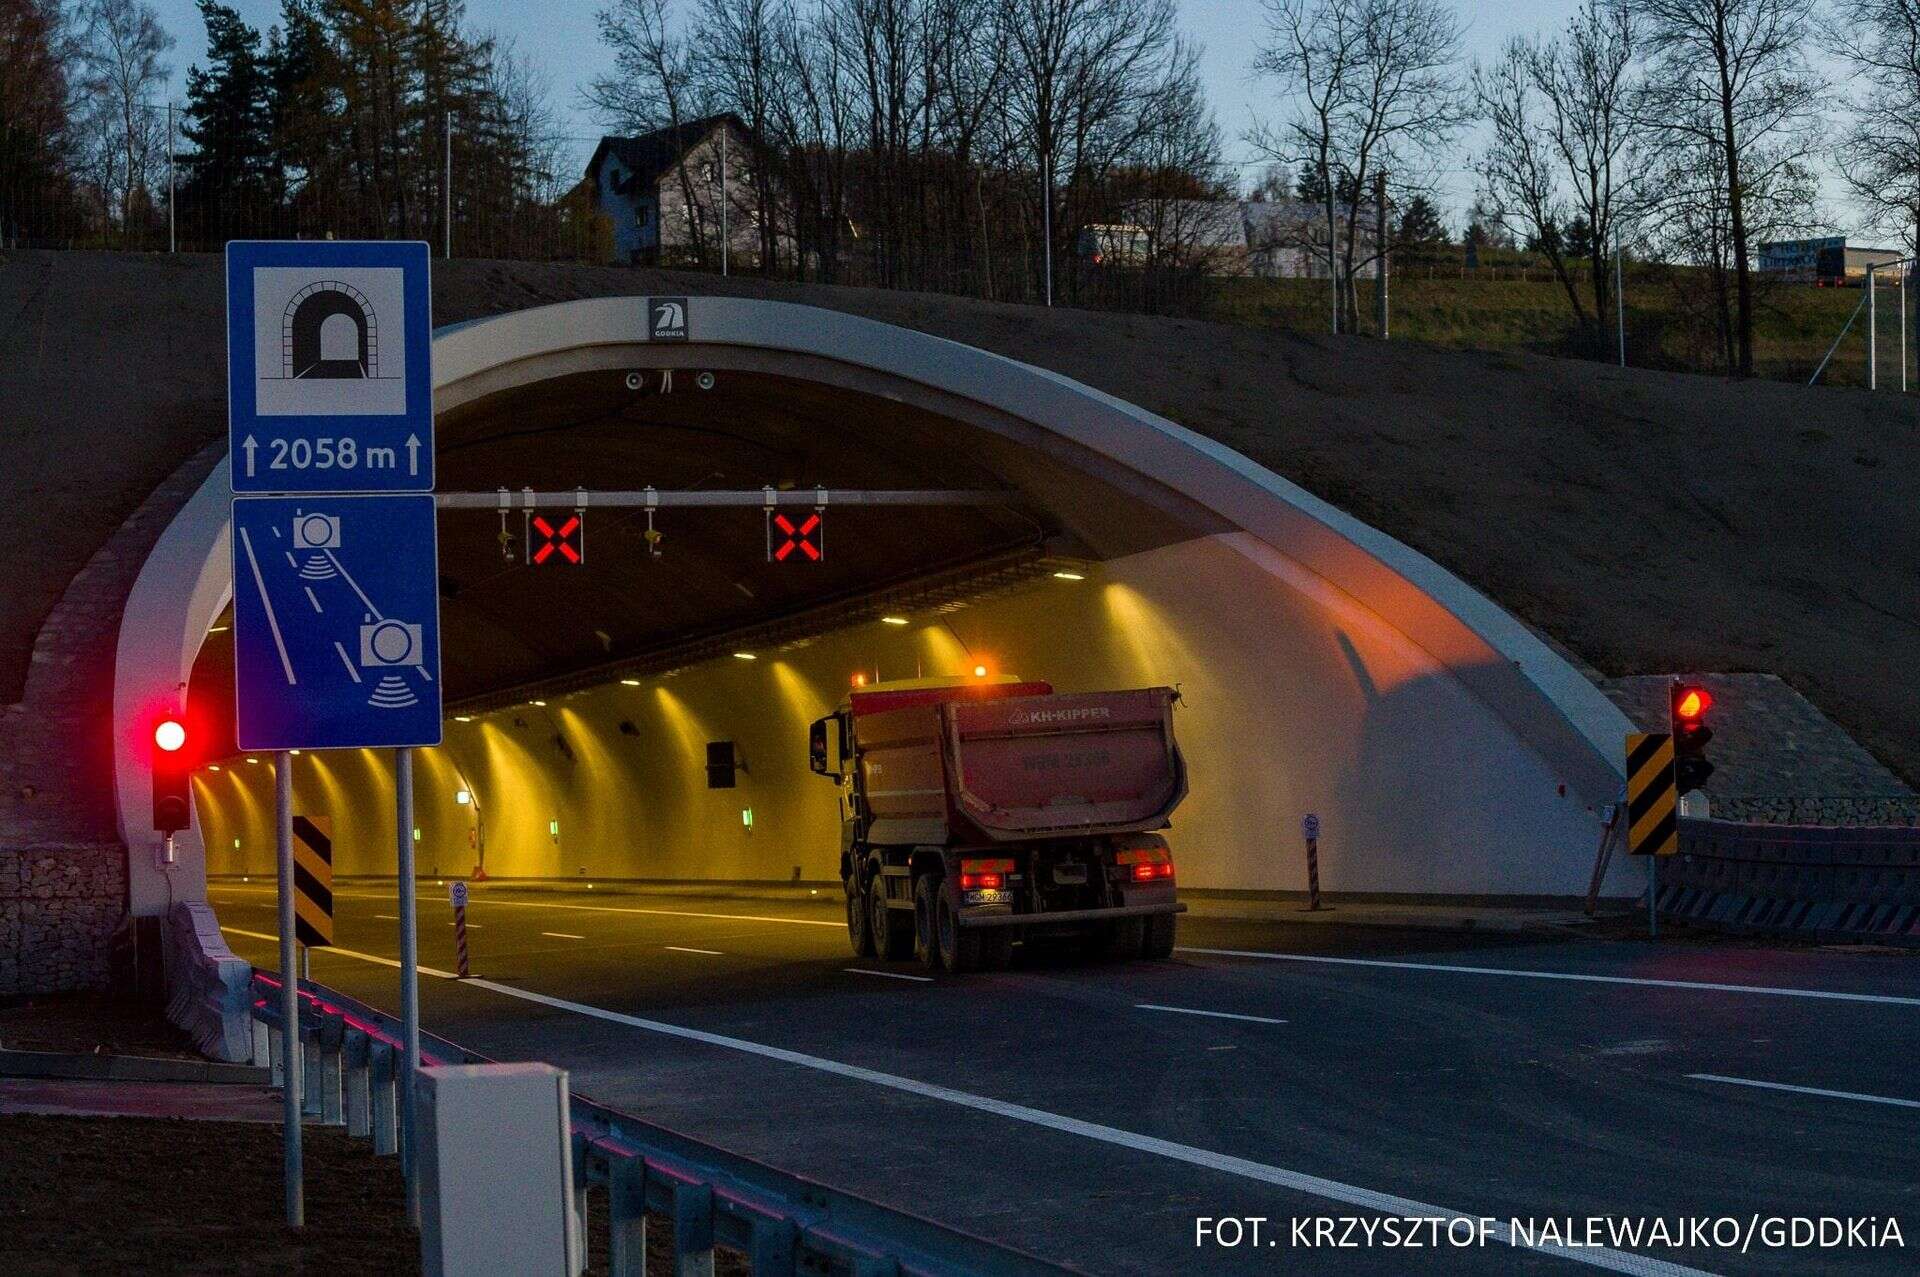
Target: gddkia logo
667, 318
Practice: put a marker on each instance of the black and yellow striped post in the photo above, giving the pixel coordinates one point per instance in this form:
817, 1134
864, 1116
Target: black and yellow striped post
1652, 805
313, 881
1653, 817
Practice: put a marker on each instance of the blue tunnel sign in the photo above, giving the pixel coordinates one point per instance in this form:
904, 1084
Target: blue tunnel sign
336, 622
329, 366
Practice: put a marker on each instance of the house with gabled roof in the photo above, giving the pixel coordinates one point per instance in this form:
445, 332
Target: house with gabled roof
668, 194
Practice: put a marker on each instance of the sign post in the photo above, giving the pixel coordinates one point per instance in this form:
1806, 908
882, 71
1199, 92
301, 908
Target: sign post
336, 573
292, 1074
458, 893
1310, 829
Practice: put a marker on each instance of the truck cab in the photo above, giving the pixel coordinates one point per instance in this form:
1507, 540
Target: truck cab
978, 812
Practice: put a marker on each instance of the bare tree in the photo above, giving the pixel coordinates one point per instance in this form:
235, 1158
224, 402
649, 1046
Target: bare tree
738, 56
1081, 93
1373, 87
1879, 151
1731, 85
35, 130
1566, 146
655, 84
1518, 172
120, 51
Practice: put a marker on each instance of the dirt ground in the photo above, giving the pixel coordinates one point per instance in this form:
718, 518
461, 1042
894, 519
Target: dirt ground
90, 1024
140, 1195
1650, 522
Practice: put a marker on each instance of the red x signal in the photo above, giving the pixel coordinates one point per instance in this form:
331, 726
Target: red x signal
804, 538
567, 540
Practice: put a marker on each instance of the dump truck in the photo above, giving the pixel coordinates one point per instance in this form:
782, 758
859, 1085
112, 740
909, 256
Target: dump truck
980, 812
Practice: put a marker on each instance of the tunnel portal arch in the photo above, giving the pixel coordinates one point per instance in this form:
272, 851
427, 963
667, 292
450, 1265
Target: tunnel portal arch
1473, 756
309, 333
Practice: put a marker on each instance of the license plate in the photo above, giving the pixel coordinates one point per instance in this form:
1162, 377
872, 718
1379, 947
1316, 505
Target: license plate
987, 896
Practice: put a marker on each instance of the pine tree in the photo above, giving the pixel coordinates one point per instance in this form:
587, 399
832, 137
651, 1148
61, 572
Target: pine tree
1420, 224
229, 124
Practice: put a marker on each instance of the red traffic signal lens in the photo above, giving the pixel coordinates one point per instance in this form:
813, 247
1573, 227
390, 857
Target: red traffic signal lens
169, 735
1691, 703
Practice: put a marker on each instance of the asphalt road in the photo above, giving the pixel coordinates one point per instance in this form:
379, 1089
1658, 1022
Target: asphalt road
1094, 1114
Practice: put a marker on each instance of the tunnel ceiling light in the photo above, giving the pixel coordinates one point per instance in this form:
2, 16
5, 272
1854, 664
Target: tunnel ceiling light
1068, 576
540, 704
213, 767
217, 629
629, 682
745, 656
294, 752
253, 760
894, 620
463, 718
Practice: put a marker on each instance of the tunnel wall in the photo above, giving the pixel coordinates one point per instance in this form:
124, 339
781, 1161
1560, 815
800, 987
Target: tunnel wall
1296, 699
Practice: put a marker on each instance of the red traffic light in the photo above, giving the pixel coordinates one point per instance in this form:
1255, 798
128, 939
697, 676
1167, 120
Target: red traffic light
169, 735
1691, 703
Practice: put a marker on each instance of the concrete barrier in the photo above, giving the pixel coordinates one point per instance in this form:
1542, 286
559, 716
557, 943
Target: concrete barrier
1858, 884
209, 991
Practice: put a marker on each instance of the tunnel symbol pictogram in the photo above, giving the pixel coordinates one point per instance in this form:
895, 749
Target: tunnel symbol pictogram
330, 331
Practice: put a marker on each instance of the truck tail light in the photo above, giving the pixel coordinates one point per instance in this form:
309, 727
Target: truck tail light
1144, 853
985, 874
1150, 871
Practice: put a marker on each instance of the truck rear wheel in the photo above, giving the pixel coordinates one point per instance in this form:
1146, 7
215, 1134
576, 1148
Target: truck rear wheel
996, 948
1125, 939
859, 934
926, 920
1159, 942
959, 947
892, 929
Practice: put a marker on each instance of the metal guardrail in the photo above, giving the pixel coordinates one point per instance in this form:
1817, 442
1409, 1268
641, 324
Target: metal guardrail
784, 1224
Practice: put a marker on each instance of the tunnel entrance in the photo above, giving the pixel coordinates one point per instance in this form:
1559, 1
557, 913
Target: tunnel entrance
1325, 669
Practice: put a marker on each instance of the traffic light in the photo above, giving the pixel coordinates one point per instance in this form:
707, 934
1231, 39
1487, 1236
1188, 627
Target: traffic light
172, 762
1688, 715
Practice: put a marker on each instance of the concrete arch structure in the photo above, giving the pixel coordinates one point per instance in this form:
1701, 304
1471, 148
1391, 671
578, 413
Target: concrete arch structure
1327, 667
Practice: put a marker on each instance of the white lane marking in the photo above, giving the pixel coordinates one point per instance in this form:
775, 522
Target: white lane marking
1805, 1090
345, 953
1297, 1181
677, 948
891, 975
1217, 1015
1207, 1159
562, 935
1767, 989
390, 917
471, 926
541, 904
273, 622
